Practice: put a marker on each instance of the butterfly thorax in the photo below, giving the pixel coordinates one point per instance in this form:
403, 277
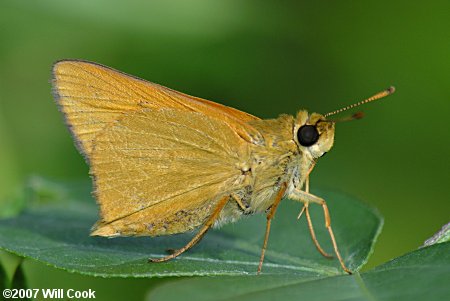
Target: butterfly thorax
277, 157
278, 160
272, 160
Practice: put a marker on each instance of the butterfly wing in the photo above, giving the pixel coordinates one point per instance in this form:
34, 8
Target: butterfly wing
159, 158
93, 96
161, 171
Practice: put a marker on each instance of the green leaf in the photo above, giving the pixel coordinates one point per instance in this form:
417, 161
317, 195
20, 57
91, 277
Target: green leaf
442, 236
420, 275
9, 264
19, 279
57, 233
3, 278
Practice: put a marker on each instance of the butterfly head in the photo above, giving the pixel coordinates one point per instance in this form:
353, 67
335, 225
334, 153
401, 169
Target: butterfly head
313, 133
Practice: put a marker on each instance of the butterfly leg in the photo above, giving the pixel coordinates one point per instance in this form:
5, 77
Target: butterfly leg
239, 201
306, 197
269, 216
310, 225
313, 234
208, 224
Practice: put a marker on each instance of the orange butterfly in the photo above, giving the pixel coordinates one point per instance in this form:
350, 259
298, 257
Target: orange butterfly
164, 162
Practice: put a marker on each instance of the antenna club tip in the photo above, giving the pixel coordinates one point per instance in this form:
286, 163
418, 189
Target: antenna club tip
391, 89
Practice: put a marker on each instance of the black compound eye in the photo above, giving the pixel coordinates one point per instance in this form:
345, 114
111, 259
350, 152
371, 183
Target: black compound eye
307, 135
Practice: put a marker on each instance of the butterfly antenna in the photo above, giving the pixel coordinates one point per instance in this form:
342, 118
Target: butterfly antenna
379, 95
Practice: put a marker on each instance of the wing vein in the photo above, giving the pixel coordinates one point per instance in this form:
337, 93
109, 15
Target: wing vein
105, 81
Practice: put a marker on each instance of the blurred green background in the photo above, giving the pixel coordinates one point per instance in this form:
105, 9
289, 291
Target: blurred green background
263, 57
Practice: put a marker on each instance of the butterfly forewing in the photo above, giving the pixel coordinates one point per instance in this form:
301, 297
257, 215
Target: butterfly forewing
93, 96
